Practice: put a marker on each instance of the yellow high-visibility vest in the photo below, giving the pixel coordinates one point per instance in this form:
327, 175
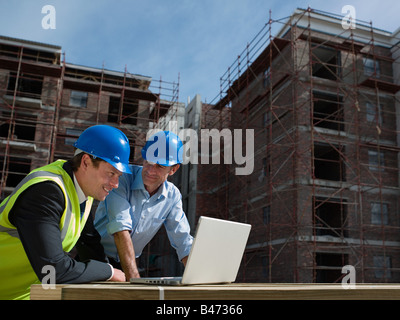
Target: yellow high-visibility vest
16, 272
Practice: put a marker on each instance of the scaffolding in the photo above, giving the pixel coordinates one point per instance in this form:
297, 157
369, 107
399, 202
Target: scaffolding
46, 103
324, 192
322, 101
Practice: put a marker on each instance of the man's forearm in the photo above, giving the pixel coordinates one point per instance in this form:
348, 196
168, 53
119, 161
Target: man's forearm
126, 254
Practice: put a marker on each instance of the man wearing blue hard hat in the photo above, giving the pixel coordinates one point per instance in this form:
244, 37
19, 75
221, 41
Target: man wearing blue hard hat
44, 216
144, 201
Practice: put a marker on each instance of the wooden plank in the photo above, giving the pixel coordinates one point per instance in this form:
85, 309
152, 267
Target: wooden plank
232, 292
110, 292
242, 291
39, 293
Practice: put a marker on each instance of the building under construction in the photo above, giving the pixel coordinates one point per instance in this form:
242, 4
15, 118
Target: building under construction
321, 95
45, 103
322, 98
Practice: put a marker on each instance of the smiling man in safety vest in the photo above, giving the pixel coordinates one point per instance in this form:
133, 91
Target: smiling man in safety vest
45, 215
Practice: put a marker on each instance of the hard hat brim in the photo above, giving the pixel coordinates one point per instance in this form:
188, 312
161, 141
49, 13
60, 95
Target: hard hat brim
122, 167
158, 160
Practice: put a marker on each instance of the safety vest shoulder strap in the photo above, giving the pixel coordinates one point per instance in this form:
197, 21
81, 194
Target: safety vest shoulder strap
29, 180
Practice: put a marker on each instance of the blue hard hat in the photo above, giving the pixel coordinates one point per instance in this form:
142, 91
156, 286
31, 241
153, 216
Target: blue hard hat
108, 143
164, 148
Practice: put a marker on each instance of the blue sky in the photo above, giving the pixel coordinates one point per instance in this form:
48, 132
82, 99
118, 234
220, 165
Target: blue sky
195, 39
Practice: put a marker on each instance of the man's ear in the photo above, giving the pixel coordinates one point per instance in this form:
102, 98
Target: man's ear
174, 169
85, 161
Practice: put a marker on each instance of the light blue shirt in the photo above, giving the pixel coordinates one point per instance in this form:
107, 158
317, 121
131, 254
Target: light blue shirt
130, 207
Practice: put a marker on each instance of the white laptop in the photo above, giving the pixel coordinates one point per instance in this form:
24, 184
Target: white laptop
215, 257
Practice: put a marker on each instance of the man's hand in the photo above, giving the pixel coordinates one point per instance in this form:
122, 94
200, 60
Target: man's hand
118, 276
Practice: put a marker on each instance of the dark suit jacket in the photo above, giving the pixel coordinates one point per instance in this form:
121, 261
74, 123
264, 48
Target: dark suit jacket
36, 214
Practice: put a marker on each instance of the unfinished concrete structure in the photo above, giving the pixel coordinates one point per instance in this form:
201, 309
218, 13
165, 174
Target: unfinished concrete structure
323, 102
45, 103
